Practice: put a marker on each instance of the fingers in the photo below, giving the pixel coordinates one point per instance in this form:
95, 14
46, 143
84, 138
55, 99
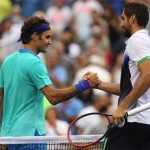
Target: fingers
87, 75
118, 116
117, 121
92, 77
94, 80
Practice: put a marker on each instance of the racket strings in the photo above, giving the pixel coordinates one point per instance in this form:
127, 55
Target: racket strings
95, 124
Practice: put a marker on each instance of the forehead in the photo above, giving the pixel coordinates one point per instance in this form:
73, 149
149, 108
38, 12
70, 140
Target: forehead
123, 15
49, 32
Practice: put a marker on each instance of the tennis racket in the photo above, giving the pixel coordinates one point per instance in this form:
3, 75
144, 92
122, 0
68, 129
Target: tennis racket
95, 124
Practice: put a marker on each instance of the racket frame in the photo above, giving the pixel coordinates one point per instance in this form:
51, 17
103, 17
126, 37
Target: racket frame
78, 118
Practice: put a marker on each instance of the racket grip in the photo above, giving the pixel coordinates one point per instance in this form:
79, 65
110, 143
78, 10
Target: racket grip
121, 124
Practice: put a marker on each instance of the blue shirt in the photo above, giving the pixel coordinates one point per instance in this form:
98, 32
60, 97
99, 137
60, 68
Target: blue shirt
22, 75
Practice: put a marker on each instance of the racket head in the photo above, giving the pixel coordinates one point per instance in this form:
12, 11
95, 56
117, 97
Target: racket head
77, 129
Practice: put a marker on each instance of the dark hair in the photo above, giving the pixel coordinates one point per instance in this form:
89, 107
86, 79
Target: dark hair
30, 24
139, 10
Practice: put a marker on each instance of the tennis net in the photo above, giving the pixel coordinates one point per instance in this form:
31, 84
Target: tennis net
46, 143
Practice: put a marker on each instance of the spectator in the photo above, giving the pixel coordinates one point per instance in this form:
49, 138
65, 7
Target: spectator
9, 37
29, 8
68, 111
59, 15
82, 11
54, 126
5, 9
58, 74
17, 18
64, 60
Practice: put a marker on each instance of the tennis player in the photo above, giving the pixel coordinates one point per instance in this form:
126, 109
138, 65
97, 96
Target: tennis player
134, 88
24, 80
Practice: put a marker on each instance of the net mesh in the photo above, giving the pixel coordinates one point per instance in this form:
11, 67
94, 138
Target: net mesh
46, 143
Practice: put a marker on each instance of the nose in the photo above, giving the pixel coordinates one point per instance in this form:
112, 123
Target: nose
121, 24
49, 42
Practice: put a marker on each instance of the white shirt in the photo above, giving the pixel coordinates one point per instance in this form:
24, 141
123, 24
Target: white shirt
137, 50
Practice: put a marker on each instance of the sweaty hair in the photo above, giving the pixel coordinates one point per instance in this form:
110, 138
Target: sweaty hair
30, 24
139, 10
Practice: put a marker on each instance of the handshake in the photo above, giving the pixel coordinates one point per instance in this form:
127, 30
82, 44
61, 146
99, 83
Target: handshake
89, 80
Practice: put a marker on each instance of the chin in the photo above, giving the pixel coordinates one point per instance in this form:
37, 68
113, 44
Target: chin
43, 51
127, 35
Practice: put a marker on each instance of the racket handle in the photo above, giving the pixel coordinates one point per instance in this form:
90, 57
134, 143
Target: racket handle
138, 109
121, 124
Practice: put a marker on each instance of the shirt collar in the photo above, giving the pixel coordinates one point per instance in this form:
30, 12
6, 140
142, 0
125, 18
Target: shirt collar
140, 31
136, 33
28, 51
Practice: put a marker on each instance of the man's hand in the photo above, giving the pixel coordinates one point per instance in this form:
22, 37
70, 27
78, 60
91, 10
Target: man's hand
86, 76
118, 116
92, 77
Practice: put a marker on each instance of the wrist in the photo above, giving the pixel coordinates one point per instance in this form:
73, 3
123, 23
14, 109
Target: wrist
83, 85
123, 106
98, 86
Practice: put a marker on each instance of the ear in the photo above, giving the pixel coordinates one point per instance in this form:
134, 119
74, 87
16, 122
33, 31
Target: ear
132, 19
34, 37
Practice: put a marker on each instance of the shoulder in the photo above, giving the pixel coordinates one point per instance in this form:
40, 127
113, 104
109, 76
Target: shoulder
10, 58
32, 59
141, 37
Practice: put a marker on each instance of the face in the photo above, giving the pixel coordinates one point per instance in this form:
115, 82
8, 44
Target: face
125, 25
44, 41
59, 3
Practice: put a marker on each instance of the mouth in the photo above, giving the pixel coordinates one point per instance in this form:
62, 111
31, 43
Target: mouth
123, 29
46, 46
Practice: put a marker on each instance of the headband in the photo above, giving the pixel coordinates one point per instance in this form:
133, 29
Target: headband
38, 29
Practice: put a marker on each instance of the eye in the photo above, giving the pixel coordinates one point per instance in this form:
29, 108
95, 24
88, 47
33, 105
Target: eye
48, 37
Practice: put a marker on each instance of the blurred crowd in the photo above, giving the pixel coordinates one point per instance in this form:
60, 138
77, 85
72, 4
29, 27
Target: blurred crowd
87, 37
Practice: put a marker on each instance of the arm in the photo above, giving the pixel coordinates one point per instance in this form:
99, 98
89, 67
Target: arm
56, 96
109, 87
141, 86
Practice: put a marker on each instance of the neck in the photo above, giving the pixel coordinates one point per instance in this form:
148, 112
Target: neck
135, 29
31, 47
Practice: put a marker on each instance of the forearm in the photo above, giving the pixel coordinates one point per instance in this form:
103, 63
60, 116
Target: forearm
139, 89
56, 96
62, 95
109, 87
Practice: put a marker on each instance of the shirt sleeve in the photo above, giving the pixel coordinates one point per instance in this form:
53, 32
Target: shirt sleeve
140, 50
39, 75
1, 79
